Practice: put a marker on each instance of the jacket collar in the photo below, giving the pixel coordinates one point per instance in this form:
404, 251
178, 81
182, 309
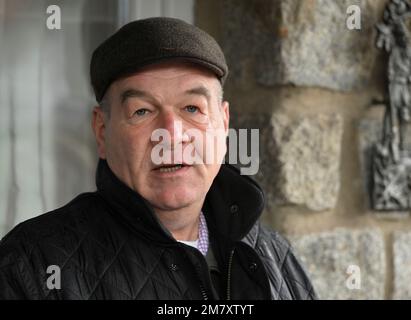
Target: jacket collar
232, 206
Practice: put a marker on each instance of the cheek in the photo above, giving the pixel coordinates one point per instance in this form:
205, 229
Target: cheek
210, 148
218, 139
127, 142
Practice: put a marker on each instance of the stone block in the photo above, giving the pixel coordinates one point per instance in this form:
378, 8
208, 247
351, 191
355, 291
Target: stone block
305, 43
327, 257
402, 265
309, 149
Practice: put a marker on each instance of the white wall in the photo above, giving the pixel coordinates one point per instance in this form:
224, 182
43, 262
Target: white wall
47, 150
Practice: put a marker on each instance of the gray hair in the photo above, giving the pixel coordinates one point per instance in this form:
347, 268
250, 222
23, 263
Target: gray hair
105, 105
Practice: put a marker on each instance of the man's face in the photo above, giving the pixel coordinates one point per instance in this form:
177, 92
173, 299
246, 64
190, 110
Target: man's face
163, 96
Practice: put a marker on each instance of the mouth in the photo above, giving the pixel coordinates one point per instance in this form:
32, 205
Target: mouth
170, 168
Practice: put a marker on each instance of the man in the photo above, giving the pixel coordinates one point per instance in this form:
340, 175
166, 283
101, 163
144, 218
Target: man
170, 229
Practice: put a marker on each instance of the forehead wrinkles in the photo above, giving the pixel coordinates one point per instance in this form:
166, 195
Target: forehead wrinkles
171, 77
168, 85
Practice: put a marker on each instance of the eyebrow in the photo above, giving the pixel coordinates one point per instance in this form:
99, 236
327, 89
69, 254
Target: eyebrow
201, 91
136, 93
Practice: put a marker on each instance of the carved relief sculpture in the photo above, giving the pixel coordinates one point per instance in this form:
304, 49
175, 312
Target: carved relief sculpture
391, 156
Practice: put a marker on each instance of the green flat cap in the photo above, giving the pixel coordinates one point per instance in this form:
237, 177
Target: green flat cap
143, 42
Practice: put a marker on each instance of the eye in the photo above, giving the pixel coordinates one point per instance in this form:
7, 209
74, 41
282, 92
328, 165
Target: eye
141, 112
192, 109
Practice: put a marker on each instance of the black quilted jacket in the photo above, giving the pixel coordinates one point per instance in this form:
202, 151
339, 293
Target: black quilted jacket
109, 245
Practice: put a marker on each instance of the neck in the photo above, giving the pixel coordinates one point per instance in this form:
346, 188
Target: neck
182, 223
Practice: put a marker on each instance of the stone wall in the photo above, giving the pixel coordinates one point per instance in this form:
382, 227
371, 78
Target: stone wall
308, 83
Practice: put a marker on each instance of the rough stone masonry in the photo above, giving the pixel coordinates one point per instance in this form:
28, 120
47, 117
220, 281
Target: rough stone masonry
307, 82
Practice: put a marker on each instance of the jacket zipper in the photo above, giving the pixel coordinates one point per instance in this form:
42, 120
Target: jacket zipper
203, 292
230, 262
202, 289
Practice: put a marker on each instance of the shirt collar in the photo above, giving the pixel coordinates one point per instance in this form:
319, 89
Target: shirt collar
203, 235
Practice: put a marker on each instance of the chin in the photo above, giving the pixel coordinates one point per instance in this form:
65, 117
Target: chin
176, 199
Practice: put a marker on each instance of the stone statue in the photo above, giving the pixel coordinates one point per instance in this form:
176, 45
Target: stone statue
391, 163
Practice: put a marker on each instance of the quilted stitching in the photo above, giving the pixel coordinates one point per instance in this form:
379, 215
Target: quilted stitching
147, 274
100, 257
270, 244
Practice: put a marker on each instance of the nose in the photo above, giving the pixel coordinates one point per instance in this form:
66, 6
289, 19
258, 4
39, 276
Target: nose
175, 128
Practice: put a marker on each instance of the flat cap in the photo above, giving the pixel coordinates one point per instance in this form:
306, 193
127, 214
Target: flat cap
147, 41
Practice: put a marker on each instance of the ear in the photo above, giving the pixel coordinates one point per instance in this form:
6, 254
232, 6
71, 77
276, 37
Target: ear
99, 127
226, 115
